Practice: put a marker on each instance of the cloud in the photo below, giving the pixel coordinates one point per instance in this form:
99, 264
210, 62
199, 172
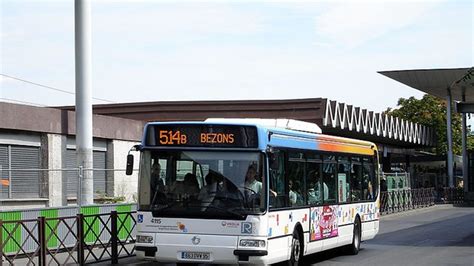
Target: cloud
170, 20
150, 51
351, 24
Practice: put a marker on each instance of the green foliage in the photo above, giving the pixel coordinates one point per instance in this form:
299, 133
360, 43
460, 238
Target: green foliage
104, 199
431, 111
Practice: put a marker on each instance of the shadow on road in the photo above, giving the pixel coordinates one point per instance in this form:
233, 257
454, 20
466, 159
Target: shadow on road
437, 234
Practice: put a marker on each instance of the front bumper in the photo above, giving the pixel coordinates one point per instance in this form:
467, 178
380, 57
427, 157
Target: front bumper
221, 249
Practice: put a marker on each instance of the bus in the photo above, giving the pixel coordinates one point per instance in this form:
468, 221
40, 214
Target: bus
252, 191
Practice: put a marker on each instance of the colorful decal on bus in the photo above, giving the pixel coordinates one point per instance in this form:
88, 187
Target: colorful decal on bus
324, 223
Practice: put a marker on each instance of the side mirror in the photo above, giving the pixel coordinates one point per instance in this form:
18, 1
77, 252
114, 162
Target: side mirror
129, 169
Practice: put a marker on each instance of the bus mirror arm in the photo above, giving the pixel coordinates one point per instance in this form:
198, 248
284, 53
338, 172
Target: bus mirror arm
137, 147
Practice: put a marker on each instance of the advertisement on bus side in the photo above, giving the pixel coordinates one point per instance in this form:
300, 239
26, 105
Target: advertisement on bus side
323, 223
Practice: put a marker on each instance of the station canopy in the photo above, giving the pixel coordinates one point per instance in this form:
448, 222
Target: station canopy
437, 81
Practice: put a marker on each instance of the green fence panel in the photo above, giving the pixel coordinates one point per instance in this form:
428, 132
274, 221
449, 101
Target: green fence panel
51, 224
93, 232
11, 246
124, 219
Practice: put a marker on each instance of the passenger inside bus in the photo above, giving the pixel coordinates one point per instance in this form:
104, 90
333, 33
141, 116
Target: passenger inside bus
157, 184
316, 192
156, 180
187, 188
209, 191
219, 191
191, 185
370, 191
295, 195
366, 187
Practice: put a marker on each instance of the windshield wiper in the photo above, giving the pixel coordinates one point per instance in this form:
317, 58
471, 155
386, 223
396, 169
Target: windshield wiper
162, 207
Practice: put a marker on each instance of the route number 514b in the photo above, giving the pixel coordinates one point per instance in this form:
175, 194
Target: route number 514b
169, 137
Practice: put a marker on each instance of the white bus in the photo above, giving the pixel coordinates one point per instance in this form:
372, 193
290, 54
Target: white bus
252, 192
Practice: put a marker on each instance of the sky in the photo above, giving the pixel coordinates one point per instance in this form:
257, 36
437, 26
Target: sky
226, 50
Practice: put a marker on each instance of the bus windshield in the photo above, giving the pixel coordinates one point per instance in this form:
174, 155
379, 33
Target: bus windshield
202, 184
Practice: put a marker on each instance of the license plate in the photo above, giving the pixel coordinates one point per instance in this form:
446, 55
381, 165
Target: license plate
196, 255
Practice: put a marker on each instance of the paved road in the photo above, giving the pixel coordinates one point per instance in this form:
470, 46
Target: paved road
440, 235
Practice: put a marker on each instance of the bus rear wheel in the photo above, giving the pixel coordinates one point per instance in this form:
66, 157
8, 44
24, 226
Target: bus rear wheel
353, 249
296, 250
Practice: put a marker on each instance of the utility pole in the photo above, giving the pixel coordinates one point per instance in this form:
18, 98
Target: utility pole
82, 27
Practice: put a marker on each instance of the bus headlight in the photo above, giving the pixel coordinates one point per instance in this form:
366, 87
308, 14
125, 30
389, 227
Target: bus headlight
252, 243
144, 239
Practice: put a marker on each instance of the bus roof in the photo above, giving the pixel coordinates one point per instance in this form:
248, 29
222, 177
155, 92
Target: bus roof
284, 123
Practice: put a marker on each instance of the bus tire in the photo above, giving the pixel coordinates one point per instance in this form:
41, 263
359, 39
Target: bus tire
296, 249
353, 249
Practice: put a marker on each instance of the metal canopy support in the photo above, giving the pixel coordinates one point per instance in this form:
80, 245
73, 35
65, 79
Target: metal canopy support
450, 139
465, 162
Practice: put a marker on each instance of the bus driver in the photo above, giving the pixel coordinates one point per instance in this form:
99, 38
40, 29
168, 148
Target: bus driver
251, 182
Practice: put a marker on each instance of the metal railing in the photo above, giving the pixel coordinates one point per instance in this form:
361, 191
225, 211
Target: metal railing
449, 195
35, 183
79, 239
406, 199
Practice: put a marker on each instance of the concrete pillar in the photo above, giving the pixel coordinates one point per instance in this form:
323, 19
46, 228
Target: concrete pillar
449, 163
57, 184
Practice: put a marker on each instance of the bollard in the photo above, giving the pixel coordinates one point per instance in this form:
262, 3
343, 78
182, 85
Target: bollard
42, 240
80, 238
114, 236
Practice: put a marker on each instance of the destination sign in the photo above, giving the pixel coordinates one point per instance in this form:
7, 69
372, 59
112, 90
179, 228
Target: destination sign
202, 136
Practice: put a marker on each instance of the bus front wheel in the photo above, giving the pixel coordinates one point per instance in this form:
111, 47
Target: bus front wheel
354, 248
296, 250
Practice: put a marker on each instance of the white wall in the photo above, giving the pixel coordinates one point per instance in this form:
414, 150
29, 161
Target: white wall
123, 185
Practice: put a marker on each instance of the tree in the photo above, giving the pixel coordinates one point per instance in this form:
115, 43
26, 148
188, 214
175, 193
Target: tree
431, 111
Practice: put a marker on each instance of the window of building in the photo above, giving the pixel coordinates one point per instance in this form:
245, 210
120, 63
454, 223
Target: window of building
99, 173
21, 181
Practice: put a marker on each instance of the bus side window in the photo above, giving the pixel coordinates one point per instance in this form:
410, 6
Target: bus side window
277, 179
356, 179
343, 179
314, 185
296, 179
329, 187
368, 179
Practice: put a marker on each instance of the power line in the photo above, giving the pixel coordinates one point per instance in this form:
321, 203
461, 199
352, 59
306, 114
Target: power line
49, 87
23, 102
